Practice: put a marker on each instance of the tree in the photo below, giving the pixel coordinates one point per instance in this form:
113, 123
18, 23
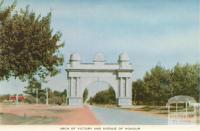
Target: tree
185, 80
34, 89
160, 84
104, 97
85, 95
5, 13
57, 97
157, 83
28, 46
64, 96
112, 96
139, 94
33, 85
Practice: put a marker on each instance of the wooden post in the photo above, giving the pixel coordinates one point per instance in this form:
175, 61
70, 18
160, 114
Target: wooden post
17, 101
169, 109
168, 114
47, 97
186, 110
37, 96
194, 113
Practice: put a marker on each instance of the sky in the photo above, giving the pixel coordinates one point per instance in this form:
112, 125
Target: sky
149, 31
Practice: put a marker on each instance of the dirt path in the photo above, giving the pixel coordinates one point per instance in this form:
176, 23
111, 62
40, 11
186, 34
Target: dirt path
80, 116
66, 115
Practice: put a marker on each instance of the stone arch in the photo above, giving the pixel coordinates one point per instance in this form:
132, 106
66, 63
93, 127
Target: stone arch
118, 75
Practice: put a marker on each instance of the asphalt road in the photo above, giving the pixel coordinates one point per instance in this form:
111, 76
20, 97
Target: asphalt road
113, 116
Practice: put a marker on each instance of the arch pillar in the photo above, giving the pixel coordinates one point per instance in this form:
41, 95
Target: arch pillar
124, 99
74, 87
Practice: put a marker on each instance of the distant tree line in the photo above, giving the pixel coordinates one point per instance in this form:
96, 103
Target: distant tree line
159, 84
4, 97
34, 90
104, 97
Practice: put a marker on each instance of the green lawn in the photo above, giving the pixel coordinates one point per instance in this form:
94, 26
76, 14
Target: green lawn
11, 119
162, 109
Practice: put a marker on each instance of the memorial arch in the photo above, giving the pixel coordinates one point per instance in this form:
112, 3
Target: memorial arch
118, 75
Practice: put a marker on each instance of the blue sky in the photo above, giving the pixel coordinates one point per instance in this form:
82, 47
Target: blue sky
150, 31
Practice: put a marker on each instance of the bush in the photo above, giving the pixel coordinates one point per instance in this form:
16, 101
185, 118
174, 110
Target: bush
30, 99
56, 100
4, 98
42, 99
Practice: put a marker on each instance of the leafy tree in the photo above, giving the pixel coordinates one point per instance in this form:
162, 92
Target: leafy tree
6, 12
157, 83
34, 88
139, 92
104, 97
57, 97
64, 96
28, 46
186, 80
160, 84
85, 95
112, 96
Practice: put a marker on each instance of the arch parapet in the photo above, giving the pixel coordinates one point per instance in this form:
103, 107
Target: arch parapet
118, 75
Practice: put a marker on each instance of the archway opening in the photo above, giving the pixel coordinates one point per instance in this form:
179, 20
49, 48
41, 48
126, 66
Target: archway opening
99, 93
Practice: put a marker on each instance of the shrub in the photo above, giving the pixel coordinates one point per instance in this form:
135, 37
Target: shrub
30, 99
